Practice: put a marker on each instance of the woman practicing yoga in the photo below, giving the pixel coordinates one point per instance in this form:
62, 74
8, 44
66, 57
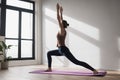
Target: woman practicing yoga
62, 49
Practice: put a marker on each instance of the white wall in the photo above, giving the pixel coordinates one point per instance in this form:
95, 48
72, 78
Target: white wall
94, 31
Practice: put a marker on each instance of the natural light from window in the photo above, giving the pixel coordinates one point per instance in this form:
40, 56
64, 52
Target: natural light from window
21, 4
27, 24
12, 23
13, 51
26, 49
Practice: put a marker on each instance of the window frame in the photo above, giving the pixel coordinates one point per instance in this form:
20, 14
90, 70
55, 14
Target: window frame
20, 10
3, 17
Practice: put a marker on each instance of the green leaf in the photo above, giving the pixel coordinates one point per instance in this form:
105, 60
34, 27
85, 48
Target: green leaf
1, 48
4, 45
9, 46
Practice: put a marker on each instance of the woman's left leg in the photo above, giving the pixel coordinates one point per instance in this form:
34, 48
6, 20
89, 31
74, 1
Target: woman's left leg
49, 57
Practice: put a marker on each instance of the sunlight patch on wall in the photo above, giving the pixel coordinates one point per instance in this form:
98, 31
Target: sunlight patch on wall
84, 28
51, 13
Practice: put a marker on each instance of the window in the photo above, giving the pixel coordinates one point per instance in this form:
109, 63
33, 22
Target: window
19, 29
26, 31
12, 22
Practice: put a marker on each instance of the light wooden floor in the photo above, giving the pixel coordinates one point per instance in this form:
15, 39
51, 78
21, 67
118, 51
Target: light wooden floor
22, 73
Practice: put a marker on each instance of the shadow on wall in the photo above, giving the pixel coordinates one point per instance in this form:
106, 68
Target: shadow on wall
86, 42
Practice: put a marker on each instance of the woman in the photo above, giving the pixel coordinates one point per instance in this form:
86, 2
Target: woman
62, 49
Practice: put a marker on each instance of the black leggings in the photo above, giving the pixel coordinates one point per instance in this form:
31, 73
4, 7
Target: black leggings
64, 51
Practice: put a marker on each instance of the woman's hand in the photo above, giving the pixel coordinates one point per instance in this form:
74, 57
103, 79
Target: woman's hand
57, 6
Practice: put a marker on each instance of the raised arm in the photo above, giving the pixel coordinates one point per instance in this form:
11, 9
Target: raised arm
58, 15
60, 18
61, 13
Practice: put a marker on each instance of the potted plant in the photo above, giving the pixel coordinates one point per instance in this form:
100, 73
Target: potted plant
4, 48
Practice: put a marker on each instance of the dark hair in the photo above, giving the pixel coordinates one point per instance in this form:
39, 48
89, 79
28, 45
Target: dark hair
65, 24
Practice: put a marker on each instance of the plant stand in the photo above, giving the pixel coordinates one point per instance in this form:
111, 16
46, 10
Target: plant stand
4, 65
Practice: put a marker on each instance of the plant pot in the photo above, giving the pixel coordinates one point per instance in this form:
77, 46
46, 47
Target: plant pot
4, 65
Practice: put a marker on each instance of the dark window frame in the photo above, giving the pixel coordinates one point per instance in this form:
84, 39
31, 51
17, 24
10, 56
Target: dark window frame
3, 17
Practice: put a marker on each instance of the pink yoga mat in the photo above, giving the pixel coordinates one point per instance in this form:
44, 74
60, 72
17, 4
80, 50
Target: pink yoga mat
75, 73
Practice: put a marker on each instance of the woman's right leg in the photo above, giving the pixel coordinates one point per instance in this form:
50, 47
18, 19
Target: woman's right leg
49, 57
69, 55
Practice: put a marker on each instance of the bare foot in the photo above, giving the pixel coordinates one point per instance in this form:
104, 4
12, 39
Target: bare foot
95, 72
48, 70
